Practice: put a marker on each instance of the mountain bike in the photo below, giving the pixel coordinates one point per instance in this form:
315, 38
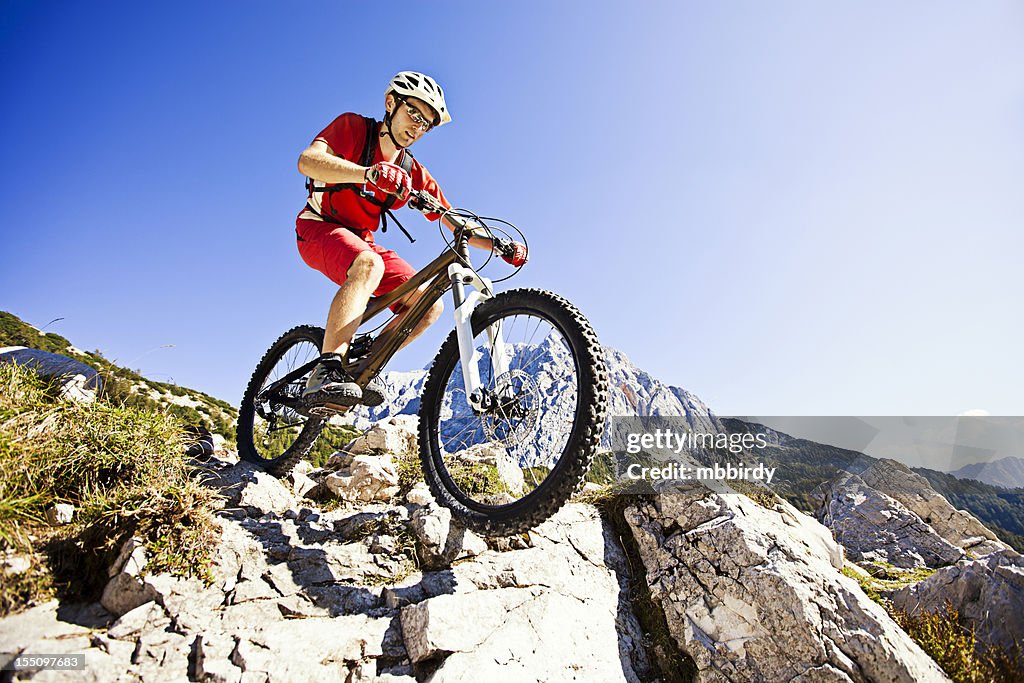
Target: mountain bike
512, 408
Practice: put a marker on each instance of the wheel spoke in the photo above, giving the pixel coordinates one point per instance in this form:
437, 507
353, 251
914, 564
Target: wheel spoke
270, 433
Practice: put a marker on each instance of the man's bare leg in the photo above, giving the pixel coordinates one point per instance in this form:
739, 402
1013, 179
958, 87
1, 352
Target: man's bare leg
343, 320
428, 319
349, 304
328, 388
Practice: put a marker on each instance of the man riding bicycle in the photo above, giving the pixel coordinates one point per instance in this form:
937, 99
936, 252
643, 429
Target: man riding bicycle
359, 169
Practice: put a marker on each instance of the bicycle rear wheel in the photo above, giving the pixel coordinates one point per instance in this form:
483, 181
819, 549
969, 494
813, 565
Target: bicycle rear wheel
272, 433
508, 467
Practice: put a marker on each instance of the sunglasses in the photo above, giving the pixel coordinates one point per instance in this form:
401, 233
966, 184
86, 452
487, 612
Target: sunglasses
418, 118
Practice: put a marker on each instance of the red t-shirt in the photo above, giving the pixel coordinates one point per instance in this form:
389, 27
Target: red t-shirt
346, 136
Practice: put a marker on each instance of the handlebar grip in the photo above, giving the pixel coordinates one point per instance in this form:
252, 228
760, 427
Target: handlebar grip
373, 176
425, 202
504, 247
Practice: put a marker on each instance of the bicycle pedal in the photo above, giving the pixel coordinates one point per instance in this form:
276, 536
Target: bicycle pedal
327, 410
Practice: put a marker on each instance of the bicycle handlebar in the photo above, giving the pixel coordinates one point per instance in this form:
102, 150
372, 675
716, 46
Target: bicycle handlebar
425, 202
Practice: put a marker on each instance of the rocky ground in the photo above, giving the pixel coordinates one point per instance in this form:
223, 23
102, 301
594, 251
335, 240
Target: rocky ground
888, 517
307, 594
381, 586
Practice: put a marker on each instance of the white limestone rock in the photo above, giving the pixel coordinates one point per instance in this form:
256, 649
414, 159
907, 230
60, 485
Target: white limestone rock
41, 630
211, 659
557, 611
251, 490
988, 592
145, 617
440, 541
732, 577
126, 588
76, 388
317, 607
391, 436
302, 485
419, 495
367, 478
12, 563
317, 648
60, 514
874, 527
960, 528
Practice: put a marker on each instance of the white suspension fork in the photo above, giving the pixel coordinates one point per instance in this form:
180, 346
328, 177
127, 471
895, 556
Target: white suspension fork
468, 354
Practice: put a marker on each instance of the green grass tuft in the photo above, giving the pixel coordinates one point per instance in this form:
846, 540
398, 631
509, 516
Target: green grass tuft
476, 479
393, 526
410, 470
124, 470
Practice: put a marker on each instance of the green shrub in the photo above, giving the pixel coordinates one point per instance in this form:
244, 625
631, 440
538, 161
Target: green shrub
14, 332
123, 468
476, 479
410, 470
948, 640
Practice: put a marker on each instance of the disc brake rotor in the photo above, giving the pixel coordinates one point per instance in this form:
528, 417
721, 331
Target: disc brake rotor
514, 409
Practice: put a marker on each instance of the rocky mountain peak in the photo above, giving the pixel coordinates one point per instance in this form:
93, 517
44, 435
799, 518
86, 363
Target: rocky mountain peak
1005, 472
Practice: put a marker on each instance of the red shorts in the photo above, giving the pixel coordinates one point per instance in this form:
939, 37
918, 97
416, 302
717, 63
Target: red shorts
331, 249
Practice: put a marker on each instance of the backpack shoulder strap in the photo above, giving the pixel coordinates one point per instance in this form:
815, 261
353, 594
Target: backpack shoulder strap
370, 145
406, 161
365, 159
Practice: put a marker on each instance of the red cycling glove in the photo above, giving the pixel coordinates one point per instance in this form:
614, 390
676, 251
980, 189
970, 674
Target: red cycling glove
389, 178
515, 254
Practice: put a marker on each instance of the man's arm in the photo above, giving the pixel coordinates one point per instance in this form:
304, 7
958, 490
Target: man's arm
319, 162
482, 242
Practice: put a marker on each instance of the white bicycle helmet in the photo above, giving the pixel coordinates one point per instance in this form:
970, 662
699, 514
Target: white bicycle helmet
415, 84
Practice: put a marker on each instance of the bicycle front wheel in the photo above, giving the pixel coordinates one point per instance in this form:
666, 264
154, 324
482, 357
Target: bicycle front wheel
272, 431
513, 461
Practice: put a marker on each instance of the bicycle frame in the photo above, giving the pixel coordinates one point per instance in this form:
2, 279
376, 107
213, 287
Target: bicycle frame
435, 279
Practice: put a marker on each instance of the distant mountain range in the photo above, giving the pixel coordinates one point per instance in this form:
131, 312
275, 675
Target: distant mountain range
803, 464
1006, 472
632, 392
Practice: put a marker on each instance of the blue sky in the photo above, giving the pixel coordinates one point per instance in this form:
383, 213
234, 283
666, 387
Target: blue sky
788, 208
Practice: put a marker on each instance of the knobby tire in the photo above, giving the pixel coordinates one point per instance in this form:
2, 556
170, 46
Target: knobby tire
567, 474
